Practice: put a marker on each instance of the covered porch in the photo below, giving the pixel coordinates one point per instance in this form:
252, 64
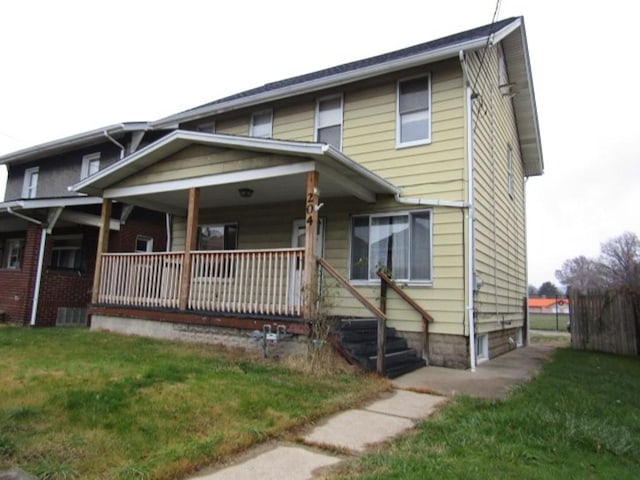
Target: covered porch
188, 174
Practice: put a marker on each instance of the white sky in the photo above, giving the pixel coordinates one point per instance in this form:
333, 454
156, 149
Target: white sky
72, 66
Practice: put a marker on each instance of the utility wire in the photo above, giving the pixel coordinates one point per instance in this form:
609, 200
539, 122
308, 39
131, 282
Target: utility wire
486, 47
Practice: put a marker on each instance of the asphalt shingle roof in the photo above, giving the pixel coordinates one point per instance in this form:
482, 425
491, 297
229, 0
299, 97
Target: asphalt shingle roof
466, 36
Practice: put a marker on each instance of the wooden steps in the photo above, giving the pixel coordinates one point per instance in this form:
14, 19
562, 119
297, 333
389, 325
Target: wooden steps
356, 340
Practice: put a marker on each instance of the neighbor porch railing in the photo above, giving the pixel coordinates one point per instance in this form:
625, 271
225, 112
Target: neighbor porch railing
265, 282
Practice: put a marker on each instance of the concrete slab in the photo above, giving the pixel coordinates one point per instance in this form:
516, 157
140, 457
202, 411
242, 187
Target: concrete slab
355, 429
406, 404
493, 379
292, 463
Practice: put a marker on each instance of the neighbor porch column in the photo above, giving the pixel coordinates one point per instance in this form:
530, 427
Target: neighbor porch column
103, 246
310, 280
189, 245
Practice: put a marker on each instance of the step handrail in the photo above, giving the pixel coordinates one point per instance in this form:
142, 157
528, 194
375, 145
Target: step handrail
394, 286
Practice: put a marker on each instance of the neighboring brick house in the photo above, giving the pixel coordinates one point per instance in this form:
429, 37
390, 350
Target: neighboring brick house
414, 161
48, 235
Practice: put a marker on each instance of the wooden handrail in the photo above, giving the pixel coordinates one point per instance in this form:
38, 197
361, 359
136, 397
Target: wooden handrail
383, 276
345, 283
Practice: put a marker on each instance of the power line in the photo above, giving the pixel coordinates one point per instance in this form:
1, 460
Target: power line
486, 47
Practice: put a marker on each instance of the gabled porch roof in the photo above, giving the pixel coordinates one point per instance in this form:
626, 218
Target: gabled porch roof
282, 178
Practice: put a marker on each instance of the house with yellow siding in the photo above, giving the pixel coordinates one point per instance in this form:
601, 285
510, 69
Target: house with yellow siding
386, 190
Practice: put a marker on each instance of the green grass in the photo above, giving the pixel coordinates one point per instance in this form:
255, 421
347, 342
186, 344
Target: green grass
547, 321
579, 419
88, 405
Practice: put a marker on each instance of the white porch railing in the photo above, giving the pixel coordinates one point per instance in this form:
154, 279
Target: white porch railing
247, 281
240, 281
141, 279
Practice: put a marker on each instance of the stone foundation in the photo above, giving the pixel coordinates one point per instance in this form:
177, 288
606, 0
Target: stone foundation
451, 351
227, 337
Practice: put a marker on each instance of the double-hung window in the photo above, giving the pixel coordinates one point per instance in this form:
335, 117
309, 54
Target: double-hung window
329, 121
262, 124
30, 183
90, 165
12, 255
413, 122
66, 252
398, 243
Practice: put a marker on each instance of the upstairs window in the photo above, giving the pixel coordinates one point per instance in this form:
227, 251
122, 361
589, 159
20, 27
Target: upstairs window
413, 123
262, 124
398, 243
329, 121
90, 165
218, 237
11, 254
30, 184
66, 252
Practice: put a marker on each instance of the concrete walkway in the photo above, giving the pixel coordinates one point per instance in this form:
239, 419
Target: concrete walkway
416, 396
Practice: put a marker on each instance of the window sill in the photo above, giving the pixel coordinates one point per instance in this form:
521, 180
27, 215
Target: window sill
10, 269
401, 283
415, 143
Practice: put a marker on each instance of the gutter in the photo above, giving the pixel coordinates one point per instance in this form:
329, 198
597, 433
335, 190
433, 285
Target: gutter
429, 203
116, 143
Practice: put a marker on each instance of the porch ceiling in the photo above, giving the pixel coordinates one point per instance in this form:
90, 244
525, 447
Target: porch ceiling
339, 175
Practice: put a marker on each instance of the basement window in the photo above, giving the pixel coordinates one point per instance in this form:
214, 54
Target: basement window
482, 348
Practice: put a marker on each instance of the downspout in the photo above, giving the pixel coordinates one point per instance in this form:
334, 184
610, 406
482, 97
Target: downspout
470, 216
116, 143
36, 288
167, 217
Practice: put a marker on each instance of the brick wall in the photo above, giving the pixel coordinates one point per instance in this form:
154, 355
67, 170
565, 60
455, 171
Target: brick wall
16, 285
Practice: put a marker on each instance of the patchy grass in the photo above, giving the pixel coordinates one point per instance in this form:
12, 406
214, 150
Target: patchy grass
81, 404
579, 419
547, 321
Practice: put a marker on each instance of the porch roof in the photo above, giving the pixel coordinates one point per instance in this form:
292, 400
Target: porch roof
340, 176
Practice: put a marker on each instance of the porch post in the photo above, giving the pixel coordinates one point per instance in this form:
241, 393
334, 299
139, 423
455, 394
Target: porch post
310, 281
103, 246
189, 244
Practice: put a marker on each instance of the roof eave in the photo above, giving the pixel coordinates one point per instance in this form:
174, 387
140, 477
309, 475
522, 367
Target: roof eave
325, 82
63, 144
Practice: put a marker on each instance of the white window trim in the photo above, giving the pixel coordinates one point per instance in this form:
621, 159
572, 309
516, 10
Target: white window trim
9, 246
149, 243
317, 116
28, 192
482, 348
425, 141
86, 161
410, 283
262, 112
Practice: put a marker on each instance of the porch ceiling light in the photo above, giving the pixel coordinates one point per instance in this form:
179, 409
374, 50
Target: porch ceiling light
245, 192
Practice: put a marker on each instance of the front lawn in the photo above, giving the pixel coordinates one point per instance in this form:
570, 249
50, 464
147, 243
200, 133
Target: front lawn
579, 419
88, 405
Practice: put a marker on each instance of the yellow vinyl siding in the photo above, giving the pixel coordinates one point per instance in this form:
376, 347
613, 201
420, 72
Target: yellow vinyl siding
294, 122
270, 226
500, 228
199, 160
233, 126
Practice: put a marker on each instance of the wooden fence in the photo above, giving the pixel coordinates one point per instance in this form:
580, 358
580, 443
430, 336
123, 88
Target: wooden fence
605, 321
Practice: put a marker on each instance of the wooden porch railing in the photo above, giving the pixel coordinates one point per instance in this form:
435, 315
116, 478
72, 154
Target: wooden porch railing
141, 279
240, 281
248, 281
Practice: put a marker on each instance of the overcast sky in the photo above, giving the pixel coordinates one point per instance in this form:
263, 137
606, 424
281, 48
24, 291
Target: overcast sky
72, 66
